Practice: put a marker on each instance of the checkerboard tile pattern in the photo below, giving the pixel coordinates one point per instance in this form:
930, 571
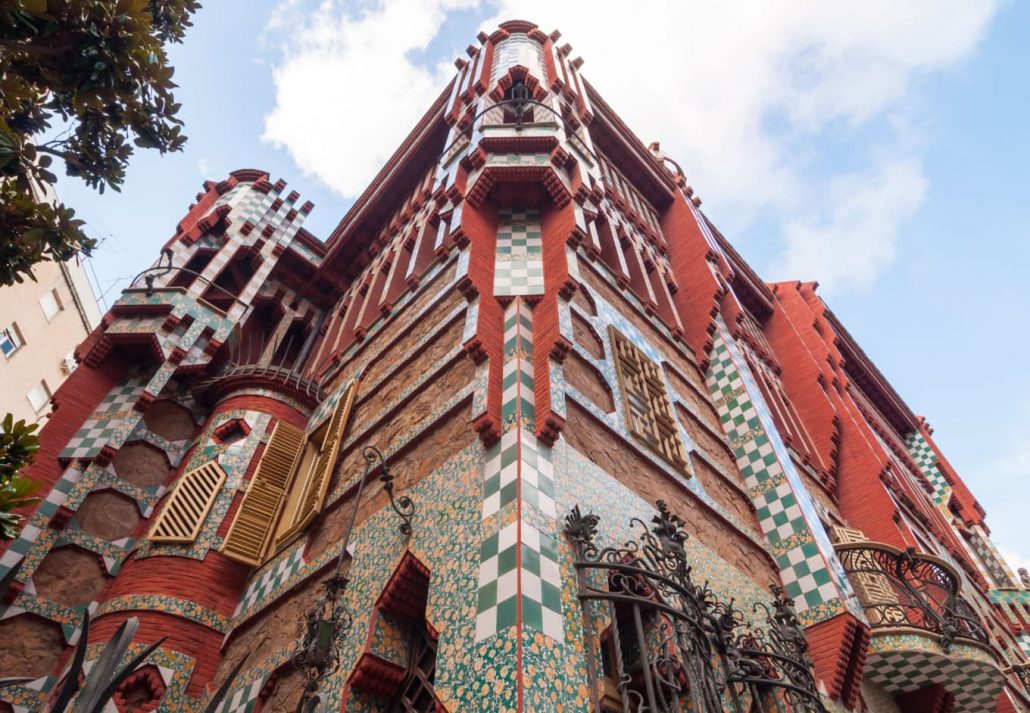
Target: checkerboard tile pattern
31, 531
518, 403
975, 684
110, 421
785, 512
926, 459
519, 263
270, 580
519, 569
243, 699
518, 573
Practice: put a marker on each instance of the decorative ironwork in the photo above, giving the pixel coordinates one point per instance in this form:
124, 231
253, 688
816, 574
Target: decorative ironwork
326, 624
416, 693
1022, 672
908, 589
403, 505
672, 644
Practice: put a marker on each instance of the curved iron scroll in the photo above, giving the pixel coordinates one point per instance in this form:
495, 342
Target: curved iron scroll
673, 644
904, 588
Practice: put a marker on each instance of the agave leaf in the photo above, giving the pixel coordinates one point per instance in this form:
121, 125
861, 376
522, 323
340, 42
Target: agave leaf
71, 679
105, 666
15, 681
108, 692
216, 701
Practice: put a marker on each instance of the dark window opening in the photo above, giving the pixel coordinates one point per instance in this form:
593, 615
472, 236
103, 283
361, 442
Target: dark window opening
290, 345
232, 280
193, 267
257, 332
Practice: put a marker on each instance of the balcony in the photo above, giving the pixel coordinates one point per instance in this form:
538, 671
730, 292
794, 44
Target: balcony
910, 590
924, 635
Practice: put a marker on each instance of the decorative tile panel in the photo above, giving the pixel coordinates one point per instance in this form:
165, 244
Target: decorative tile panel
786, 513
519, 267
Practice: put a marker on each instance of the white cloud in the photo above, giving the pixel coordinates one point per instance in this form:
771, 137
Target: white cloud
742, 93
850, 236
347, 91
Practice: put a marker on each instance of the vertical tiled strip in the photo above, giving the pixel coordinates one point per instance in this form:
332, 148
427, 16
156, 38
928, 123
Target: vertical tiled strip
518, 575
926, 460
785, 511
519, 264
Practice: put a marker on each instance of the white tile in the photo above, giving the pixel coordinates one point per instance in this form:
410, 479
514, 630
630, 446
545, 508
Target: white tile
507, 585
488, 571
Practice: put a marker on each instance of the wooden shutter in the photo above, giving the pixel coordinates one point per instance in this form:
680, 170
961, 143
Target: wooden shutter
255, 521
645, 402
316, 483
189, 504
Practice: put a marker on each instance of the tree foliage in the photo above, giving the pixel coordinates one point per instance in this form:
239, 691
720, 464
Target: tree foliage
18, 446
95, 72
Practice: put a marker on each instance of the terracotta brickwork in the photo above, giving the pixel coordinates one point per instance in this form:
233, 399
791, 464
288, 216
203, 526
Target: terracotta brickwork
529, 316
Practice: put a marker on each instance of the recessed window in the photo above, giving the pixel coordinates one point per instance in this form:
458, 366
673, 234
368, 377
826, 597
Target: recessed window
51, 304
39, 396
10, 339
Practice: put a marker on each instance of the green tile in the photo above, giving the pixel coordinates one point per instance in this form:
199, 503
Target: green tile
506, 614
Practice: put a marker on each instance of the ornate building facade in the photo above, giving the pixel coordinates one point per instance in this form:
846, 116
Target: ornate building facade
524, 433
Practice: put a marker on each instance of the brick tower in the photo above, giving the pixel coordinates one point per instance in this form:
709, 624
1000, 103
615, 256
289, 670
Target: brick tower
524, 433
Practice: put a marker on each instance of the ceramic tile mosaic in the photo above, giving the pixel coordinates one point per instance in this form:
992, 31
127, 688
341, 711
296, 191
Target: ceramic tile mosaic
786, 513
926, 459
518, 567
519, 264
904, 662
168, 605
269, 579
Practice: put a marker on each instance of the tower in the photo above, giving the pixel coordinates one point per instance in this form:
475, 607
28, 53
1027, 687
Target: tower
620, 469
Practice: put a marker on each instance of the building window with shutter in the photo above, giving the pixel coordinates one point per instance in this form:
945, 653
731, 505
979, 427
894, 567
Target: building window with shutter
289, 486
51, 304
10, 339
189, 504
645, 401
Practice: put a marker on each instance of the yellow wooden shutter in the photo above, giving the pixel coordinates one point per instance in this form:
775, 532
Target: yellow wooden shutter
189, 504
255, 521
316, 483
645, 402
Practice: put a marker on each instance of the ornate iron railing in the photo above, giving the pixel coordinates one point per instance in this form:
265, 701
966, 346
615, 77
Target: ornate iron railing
671, 645
902, 588
1022, 672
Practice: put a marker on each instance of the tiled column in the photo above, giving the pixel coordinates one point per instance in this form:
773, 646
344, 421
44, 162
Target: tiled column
808, 568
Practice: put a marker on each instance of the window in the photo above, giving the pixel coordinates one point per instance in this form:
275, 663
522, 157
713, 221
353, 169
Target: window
51, 304
10, 339
39, 396
289, 486
189, 504
645, 401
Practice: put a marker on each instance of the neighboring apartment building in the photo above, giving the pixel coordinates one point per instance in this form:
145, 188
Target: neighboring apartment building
41, 323
617, 454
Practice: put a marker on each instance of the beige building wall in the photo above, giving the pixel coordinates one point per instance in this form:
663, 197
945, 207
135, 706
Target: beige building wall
41, 323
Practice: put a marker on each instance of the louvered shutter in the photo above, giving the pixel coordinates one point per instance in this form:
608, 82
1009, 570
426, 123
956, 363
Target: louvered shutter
255, 521
188, 505
317, 482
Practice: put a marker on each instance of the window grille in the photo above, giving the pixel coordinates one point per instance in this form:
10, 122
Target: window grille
645, 401
188, 505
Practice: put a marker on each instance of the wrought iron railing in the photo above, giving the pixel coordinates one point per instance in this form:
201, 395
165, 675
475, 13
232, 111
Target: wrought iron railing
1022, 672
670, 645
903, 588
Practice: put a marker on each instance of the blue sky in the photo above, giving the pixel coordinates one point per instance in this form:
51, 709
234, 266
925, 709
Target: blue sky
882, 150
